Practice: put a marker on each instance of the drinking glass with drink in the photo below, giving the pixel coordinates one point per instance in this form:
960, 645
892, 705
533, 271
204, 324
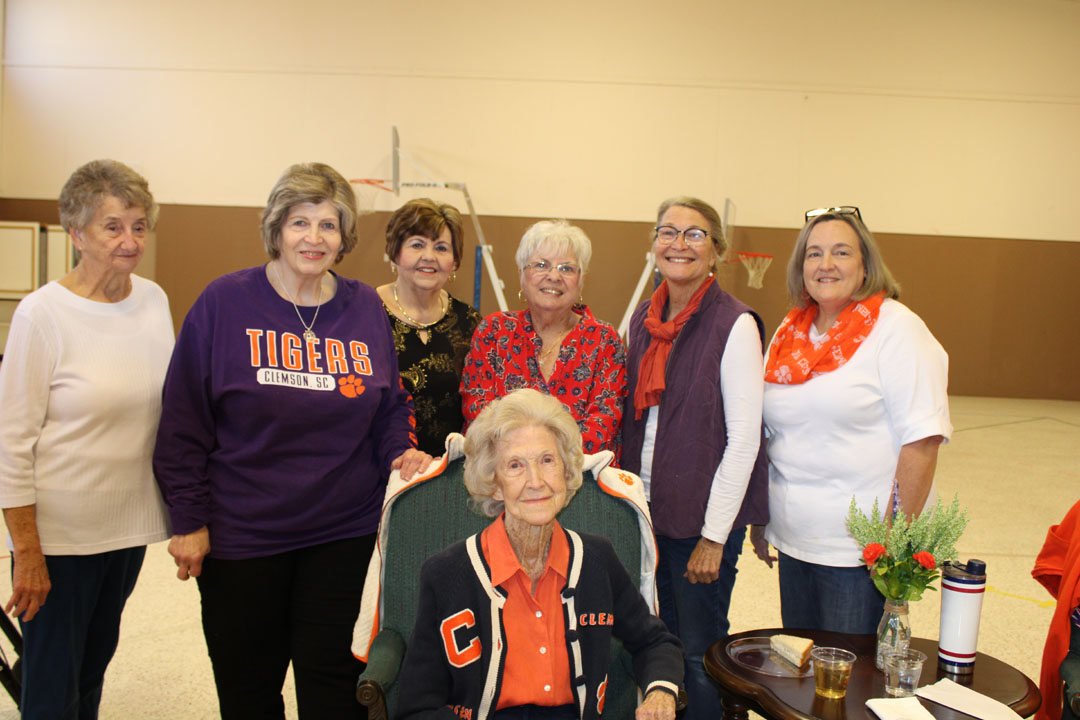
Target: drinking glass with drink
832, 670
902, 671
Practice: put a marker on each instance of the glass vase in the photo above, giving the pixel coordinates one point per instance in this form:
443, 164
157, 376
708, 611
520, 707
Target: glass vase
894, 630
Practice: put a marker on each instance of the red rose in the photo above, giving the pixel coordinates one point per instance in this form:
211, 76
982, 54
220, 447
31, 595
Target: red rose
872, 552
925, 559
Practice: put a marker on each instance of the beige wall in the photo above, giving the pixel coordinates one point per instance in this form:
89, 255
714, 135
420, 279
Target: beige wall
953, 118
953, 125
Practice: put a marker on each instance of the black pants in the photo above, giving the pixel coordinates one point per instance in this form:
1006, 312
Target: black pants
259, 614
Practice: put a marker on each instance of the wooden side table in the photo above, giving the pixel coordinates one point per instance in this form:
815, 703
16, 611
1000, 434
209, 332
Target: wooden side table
780, 698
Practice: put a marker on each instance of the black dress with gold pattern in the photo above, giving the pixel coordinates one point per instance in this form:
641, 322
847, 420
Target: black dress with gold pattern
431, 371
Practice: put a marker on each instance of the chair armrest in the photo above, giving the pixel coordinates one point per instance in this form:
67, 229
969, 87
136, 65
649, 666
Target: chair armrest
384, 662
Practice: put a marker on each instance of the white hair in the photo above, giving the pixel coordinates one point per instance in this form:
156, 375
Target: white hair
554, 236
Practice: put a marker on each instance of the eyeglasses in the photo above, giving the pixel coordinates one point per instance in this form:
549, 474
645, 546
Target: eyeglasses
667, 234
547, 464
543, 267
842, 210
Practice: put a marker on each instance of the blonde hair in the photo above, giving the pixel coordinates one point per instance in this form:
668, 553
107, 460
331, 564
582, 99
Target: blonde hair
309, 183
716, 226
522, 408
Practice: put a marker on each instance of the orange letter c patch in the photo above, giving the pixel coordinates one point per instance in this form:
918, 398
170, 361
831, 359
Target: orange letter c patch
459, 657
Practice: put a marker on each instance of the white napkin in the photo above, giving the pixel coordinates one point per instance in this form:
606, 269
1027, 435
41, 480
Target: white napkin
907, 708
946, 692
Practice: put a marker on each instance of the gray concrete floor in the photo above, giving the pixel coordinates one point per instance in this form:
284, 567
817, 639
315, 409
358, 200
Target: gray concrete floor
1015, 464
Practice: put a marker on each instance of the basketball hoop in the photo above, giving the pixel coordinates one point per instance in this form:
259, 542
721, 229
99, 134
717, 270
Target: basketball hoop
367, 189
756, 264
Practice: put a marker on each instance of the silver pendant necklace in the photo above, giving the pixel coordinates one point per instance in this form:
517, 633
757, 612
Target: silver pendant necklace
309, 334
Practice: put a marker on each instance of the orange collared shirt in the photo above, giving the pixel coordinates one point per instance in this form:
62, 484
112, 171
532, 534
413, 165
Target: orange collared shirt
537, 669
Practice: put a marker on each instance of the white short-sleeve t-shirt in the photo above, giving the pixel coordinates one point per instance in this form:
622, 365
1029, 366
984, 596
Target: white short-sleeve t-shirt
838, 435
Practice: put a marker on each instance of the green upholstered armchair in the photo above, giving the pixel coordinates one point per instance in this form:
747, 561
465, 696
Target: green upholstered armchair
428, 516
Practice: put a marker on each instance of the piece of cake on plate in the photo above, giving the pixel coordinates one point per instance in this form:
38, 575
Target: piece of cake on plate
793, 649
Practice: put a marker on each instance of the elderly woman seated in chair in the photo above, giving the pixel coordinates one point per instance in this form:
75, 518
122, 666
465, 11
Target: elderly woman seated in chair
517, 621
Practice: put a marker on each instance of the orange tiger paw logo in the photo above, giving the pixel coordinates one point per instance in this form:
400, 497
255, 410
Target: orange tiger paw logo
351, 386
626, 478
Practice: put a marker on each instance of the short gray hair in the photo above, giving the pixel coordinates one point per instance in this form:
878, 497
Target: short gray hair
88, 187
878, 277
309, 183
555, 236
522, 408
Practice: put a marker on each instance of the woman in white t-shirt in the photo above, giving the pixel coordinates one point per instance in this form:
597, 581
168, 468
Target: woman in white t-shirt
855, 406
80, 386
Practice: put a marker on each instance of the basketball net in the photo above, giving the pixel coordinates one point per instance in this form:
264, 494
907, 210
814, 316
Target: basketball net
756, 264
367, 190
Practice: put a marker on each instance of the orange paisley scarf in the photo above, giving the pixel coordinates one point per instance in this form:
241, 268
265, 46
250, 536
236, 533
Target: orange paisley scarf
794, 358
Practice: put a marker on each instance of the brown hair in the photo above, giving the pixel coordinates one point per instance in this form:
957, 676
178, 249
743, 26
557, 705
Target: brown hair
426, 218
877, 275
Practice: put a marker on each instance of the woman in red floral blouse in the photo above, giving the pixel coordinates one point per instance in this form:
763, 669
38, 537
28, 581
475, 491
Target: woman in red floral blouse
555, 345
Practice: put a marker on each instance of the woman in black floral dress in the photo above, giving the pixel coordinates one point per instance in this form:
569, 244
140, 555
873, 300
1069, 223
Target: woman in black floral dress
432, 330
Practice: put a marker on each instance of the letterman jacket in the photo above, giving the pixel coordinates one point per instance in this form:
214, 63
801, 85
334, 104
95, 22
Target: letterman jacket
454, 664
613, 481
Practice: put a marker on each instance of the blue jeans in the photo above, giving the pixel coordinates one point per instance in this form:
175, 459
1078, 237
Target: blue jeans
69, 643
696, 613
822, 597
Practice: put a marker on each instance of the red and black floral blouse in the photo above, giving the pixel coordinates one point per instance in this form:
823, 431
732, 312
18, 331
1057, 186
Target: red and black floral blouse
589, 376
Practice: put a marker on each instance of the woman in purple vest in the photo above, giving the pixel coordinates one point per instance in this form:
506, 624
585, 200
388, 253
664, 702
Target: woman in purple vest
692, 431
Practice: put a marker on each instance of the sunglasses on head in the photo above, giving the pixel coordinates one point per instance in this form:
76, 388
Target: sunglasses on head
842, 210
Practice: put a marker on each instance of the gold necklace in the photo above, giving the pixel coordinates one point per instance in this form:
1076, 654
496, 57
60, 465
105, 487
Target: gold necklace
444, 305
555, 346
309, 334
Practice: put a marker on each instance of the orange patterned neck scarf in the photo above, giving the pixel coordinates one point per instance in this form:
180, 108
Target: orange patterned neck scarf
794, 358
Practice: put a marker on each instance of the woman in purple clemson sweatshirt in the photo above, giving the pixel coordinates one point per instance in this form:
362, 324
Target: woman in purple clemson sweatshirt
283, 416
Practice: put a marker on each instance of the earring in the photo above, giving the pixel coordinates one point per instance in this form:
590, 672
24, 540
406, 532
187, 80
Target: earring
393, 269
453, 276
521, 298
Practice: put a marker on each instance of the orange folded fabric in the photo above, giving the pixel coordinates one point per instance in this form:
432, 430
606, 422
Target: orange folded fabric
1058, 569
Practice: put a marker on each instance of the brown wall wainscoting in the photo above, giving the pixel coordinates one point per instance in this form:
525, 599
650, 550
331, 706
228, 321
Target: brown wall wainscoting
1003, 308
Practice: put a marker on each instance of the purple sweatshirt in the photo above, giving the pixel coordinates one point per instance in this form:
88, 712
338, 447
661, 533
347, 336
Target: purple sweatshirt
272, 444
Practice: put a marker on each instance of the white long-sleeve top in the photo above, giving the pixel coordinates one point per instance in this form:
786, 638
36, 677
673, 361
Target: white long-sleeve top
741, 388
80, 392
